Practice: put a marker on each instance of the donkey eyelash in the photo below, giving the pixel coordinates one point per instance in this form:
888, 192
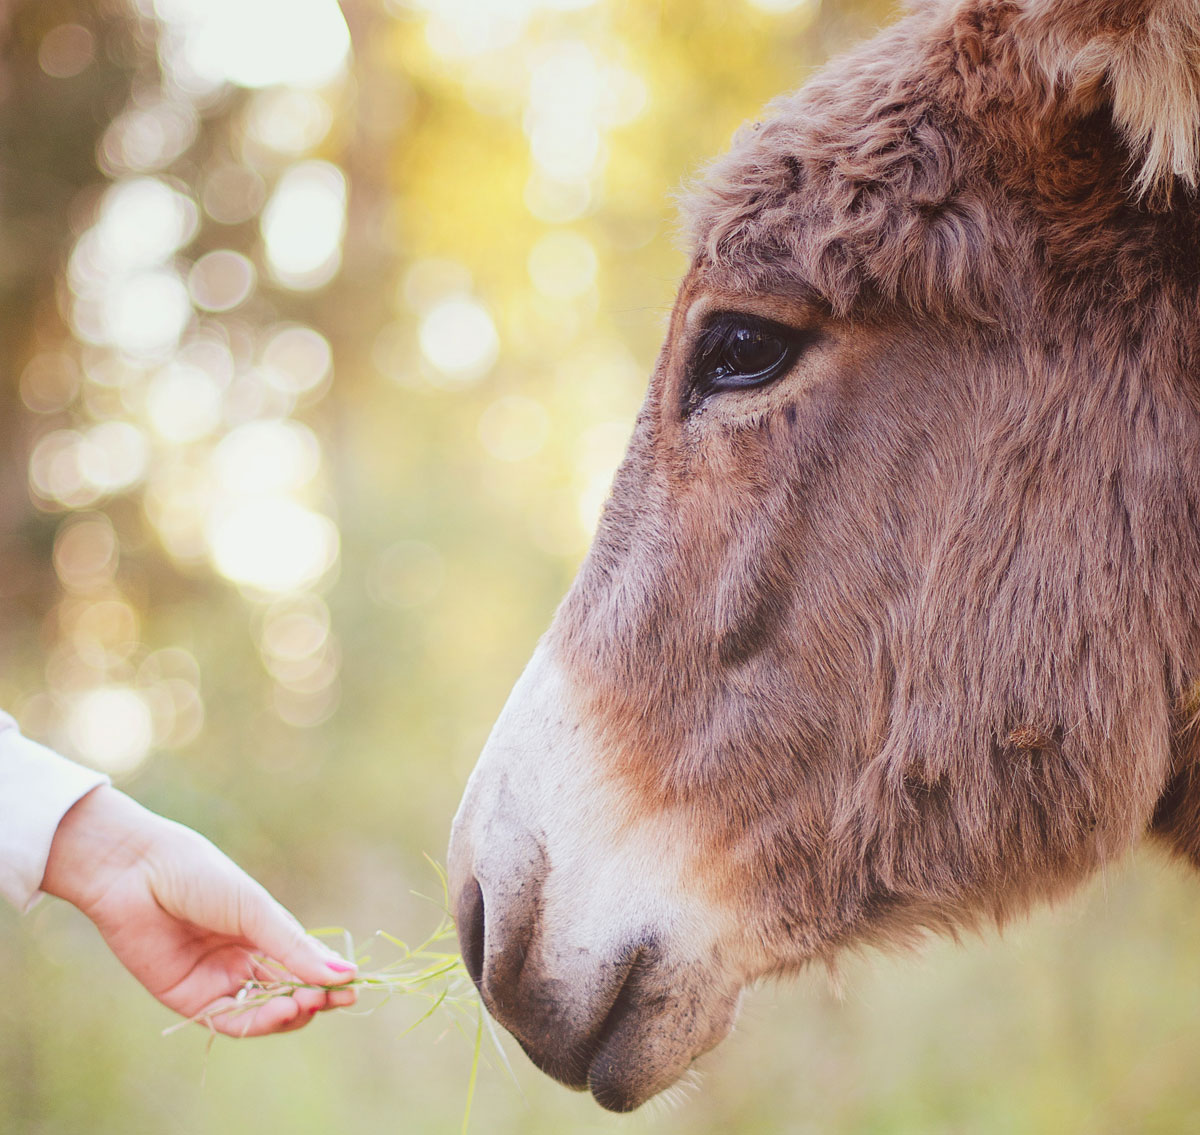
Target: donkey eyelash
738, 352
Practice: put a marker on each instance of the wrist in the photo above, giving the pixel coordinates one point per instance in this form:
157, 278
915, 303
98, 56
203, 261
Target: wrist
101, 837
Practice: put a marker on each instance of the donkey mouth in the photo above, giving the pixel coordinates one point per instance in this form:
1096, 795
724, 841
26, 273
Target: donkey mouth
599, 996
593, 1025
611, 1062
625, 1031
657, 1022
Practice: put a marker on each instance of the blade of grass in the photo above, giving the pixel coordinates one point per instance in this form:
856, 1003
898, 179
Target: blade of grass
432, 970
466, 1123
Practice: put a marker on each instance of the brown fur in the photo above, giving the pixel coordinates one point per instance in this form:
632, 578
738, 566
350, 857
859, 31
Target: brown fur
907, 634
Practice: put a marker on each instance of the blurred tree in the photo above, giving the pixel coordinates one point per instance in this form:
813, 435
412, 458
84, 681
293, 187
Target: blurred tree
50, 124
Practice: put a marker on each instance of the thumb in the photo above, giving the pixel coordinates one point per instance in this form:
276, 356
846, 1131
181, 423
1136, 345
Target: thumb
274, 931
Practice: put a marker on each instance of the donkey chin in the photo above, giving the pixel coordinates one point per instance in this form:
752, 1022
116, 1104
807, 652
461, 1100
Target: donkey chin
581, 932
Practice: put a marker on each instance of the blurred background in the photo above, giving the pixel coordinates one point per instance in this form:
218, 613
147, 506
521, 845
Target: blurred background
323, 330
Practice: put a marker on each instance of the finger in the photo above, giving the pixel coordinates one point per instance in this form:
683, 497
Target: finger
276, 933
340, 998
310, 1000
231, 1018
301, 1020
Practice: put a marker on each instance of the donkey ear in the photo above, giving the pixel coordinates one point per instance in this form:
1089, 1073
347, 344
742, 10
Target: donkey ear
1142, 57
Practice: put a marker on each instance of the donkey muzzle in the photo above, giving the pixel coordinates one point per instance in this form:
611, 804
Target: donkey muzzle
617, 1018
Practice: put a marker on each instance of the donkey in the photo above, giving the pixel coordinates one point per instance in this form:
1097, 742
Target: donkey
892, 621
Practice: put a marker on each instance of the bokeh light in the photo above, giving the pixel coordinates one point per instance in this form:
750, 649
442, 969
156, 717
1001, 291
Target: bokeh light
267, 457
145, 314
49, 382
303, 224
221, 280
297, 360
66, 50
113, 456
458, 338
149, 136
271, 543
466, 29
233, 194
287, 120
257, 43
86, 552
183, 403
111, 728
142, 222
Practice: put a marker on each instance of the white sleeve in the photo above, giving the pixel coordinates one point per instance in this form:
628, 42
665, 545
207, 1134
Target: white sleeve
37, 788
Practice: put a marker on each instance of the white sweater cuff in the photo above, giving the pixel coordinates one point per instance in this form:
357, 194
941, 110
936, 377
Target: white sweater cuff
37, 788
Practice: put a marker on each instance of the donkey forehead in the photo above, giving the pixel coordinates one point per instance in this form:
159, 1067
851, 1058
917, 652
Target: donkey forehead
923, 170
860, 196
928, 168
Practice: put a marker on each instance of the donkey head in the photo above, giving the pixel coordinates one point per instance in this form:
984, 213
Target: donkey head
890, 622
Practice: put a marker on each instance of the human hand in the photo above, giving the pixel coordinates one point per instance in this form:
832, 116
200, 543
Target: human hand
185, 920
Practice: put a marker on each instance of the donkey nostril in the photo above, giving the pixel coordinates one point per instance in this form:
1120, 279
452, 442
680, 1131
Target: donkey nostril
469, 920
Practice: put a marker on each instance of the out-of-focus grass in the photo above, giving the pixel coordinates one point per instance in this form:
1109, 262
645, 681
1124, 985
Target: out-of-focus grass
1082, 1020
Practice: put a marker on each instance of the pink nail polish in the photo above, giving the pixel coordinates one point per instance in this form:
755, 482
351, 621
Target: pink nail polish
340, 967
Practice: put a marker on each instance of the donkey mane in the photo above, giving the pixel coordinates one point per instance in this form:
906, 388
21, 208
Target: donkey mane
929, 165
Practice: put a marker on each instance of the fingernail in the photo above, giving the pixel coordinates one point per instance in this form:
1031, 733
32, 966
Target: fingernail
340, 967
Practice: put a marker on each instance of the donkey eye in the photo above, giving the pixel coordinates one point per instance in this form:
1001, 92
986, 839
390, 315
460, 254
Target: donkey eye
751, 351
739, 351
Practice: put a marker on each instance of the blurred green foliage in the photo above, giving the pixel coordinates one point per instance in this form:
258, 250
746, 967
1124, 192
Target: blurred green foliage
462, 501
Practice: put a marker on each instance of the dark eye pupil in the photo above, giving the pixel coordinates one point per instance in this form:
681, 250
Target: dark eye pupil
736, 352
750, 350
